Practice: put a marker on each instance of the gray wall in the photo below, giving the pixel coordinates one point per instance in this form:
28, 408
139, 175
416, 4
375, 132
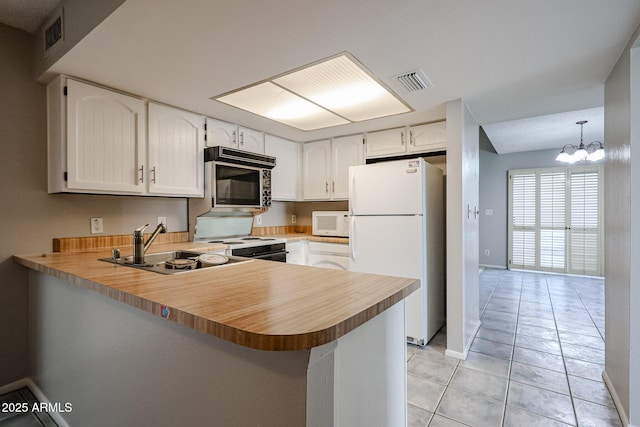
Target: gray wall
622, 195
30, 217
494, 196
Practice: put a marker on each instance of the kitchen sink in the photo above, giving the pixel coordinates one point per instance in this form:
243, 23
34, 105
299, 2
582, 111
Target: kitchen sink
172, 262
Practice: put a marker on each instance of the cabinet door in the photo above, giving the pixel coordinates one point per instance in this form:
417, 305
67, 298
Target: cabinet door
221, 133
176, 144
105, 140
386, 142
296, 252
346, 151
317, 170
251, 140
429, 137
285, 177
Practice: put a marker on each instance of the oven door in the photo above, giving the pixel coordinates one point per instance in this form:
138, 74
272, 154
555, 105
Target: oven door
236, 186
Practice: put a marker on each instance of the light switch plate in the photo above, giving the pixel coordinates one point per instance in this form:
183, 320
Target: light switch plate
97, 226
162, 220
258, 219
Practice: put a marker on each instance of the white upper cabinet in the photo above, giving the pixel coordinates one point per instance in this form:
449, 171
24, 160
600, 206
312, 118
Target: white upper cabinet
234, 136
176, 144
425, 138
346, 151
317, 170
326, 167
285, 177
98, 144
428, 138
102, 147
250, 140
388, 142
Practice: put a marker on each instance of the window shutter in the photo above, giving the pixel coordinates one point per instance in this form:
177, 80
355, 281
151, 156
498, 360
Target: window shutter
552, 192
584, 223
523, 199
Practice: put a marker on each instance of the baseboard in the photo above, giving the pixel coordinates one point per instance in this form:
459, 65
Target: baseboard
616, 399
467, 347
27, 382
498, 267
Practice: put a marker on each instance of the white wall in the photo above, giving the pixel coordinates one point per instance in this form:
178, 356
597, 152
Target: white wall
622, 195
462, 228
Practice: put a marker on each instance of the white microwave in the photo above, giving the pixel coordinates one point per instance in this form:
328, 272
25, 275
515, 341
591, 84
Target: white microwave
330, 223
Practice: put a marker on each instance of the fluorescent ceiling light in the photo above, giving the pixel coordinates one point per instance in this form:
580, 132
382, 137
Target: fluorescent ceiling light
331, 92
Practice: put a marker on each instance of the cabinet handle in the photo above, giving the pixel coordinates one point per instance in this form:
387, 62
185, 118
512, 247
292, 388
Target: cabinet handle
401, 138
234, 142
141, 170
241, 138
411, 141
153, 171
326, 187
333, 186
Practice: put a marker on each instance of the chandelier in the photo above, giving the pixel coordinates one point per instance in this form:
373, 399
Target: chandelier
572, 154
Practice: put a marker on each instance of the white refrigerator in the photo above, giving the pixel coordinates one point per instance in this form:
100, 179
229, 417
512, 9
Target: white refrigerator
397, 229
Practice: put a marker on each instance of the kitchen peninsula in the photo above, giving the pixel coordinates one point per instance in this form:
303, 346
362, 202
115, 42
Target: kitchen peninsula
254, 343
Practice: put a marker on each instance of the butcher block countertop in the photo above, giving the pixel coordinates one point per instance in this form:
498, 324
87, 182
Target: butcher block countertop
259, 304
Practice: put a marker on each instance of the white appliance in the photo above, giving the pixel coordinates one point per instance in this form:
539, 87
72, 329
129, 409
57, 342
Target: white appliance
328, 255
330, 223
397, 229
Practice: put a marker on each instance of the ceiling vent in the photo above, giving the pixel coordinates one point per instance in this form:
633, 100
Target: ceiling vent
413, 80
53, 33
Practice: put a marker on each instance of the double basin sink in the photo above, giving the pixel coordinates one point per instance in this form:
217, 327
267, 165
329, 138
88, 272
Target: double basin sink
157, 262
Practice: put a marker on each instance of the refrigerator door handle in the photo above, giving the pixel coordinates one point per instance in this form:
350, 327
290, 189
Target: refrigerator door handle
352, 238
352, 194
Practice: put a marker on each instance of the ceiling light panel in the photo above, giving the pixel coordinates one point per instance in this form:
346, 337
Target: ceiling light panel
342, 86
271, 101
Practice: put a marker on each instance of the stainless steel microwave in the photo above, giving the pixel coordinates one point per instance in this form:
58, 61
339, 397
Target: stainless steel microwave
238, 180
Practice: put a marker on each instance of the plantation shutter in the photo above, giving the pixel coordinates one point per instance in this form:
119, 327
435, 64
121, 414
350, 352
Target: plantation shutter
555, 220
523, 202
584, 224
552, 196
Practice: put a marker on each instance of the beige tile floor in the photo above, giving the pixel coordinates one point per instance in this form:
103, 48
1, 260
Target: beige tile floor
537, 359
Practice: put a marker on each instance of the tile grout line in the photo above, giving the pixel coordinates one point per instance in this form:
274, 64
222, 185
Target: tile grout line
564, 363
513, 349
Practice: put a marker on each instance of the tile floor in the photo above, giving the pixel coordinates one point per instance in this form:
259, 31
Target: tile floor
537, 359
20, 418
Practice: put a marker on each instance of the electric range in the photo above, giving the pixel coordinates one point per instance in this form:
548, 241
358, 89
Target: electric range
268, 248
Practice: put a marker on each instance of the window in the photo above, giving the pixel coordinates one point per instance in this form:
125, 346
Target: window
555, 220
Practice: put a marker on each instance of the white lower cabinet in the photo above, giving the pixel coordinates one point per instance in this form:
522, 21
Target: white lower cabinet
328, 255
297, 252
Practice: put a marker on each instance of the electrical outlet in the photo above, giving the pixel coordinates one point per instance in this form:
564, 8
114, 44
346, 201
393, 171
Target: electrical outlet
488, 212
97, 226
258, 219
486, 252
293, 219
162, 220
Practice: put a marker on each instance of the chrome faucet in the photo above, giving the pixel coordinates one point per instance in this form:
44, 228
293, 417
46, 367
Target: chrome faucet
139, 245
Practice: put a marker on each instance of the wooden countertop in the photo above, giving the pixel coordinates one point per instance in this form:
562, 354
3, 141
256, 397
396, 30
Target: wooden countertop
260, 304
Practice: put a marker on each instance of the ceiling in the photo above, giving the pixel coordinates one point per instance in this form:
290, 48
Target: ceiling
26, 15
523, 68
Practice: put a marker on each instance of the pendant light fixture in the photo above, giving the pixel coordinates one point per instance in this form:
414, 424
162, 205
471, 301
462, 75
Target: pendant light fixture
571, 154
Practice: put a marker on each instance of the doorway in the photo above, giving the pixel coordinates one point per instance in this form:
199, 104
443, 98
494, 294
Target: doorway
555, 220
